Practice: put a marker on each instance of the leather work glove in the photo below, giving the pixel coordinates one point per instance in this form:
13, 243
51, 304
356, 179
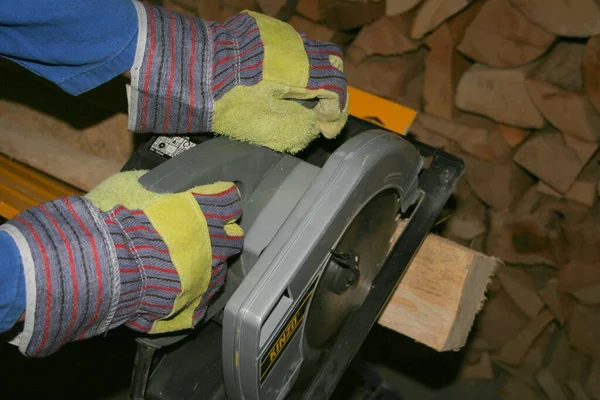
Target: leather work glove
236, 79
122, 255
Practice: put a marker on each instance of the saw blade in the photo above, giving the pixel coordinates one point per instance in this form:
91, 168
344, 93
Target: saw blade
365, 242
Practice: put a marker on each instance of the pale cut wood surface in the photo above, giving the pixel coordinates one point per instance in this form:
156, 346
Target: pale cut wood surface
440, 294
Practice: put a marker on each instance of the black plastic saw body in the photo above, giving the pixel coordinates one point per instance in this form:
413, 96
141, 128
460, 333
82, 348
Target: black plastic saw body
319, 262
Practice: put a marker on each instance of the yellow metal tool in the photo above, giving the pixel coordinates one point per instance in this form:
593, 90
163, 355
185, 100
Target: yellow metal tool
22, 187
377, 110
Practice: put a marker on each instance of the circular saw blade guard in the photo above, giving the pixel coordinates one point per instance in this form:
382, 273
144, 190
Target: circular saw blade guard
269, 337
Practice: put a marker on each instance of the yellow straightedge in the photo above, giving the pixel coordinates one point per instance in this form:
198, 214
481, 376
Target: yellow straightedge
385, 113
22, 187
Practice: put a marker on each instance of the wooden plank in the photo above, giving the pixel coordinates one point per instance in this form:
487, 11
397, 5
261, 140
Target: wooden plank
82, 158
440, 294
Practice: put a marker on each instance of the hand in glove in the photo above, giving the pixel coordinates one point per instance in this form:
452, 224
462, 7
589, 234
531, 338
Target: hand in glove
122, 255
237, 79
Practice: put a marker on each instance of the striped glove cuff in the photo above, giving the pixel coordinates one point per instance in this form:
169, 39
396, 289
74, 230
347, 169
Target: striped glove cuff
184, 64
88, 272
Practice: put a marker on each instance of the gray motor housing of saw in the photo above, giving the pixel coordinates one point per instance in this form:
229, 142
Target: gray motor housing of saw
293, 212
279, 285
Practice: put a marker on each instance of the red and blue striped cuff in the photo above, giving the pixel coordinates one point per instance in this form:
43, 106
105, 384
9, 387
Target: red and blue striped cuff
184, 64
87, 272
71, 274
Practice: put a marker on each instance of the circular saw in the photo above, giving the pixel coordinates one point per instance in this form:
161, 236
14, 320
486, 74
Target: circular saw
322, 255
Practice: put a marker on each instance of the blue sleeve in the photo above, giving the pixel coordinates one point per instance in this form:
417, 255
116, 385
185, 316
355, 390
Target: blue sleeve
77, 44
12, 283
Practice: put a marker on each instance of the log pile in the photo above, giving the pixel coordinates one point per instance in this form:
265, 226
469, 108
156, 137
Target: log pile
513, 87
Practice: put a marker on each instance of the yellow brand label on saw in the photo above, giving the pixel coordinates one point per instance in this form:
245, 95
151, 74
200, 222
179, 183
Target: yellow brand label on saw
285, 334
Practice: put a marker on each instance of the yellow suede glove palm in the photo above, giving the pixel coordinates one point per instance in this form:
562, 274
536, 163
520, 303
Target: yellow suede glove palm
199, 233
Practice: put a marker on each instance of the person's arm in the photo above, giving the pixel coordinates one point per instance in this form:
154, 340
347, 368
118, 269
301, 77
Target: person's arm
77, 44
12, 284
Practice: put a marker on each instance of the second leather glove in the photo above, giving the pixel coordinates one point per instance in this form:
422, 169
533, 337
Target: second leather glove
237, 79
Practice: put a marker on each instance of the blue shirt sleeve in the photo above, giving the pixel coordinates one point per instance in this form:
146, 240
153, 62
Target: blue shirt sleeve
77, 44
12, 283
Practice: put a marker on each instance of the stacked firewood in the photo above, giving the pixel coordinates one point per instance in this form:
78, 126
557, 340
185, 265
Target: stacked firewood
513, 87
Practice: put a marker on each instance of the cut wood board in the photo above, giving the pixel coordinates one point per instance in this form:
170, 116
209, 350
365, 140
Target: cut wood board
82, 158
440, 294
